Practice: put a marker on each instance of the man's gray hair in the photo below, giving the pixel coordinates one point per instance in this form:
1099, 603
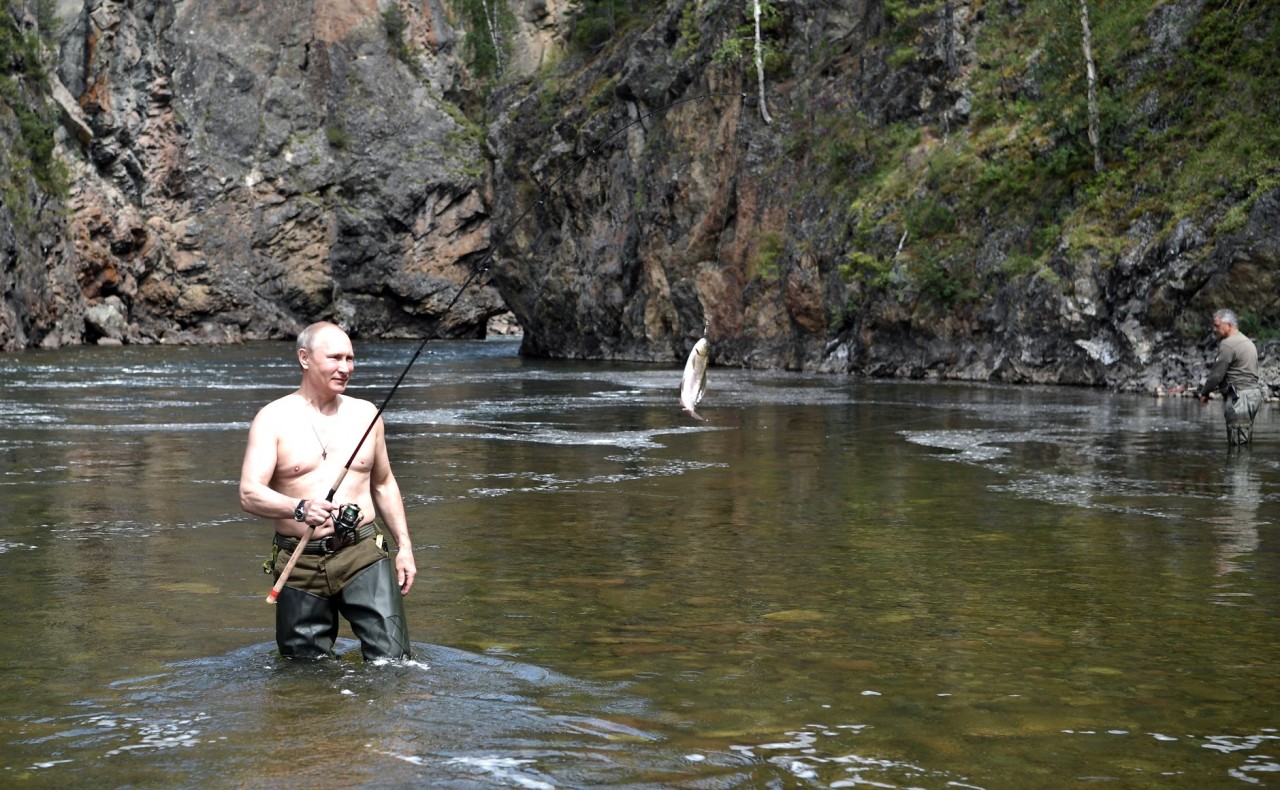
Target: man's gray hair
307, 335
1227, 317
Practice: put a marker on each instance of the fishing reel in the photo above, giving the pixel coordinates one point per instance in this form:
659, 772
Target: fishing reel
346, 520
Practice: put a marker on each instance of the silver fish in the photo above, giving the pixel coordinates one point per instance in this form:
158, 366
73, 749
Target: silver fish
694, 383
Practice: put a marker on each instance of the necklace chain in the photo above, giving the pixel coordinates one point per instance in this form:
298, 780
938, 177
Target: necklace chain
324, 447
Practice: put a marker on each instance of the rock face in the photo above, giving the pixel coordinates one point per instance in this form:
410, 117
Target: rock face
246, 168
657, 207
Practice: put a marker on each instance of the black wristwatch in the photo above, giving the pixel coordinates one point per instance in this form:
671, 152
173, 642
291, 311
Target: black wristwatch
300, 512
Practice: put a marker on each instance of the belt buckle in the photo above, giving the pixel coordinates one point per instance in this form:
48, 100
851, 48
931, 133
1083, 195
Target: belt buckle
326, 545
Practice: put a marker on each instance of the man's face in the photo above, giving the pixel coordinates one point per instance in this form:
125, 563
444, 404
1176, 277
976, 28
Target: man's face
330, 361
1221, 328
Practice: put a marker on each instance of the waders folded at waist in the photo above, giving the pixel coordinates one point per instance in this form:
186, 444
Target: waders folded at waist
323, 547
325, 574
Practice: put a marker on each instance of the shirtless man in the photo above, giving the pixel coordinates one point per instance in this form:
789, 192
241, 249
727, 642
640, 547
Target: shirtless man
296, 451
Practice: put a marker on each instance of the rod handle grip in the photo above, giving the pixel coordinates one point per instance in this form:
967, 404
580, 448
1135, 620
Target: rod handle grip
288, 568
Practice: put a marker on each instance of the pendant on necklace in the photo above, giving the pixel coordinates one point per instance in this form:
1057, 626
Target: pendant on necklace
324, 448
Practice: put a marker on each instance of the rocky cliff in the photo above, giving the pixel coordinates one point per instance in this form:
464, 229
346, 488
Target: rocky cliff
242, 168
911, 194
880, 225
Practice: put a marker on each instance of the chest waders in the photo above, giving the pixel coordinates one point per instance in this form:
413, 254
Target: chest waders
1239, 407
357, 583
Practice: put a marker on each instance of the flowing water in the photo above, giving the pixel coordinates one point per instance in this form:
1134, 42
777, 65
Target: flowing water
831, 582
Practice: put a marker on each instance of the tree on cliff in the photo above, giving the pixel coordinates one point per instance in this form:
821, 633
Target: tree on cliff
1086, 44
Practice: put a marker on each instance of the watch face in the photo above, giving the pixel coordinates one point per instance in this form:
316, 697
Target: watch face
298, 511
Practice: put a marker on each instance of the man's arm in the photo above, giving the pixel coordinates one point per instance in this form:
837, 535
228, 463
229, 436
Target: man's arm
256, 495
385, 492
1217, 373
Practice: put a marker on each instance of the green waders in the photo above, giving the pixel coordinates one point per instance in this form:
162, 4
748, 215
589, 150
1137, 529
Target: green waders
358, 583
1239, 407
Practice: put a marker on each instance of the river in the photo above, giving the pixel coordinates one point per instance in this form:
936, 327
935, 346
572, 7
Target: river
831, 582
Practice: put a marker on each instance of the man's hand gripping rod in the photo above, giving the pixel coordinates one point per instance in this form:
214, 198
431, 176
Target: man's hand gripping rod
302, 541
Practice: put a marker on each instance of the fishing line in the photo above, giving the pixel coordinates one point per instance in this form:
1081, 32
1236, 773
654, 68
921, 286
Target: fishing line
475, 270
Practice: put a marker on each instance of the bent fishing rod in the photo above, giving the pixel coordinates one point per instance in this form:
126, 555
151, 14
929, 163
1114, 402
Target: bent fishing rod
475, 271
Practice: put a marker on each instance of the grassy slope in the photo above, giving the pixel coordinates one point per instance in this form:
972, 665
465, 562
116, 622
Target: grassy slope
1188, 132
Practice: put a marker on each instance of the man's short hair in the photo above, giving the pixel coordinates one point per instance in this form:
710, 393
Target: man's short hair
1227, 317
307, 335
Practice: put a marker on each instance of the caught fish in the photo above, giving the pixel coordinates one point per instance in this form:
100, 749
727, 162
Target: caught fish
694, 383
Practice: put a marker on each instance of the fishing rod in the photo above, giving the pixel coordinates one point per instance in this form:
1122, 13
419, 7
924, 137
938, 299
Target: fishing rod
475, 271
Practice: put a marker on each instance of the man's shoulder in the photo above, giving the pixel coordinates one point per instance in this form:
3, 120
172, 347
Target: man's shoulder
1237, 340
280, 406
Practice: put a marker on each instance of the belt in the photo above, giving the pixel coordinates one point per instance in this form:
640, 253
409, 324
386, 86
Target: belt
327, 545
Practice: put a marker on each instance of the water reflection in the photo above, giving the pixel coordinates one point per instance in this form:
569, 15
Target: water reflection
1238, 532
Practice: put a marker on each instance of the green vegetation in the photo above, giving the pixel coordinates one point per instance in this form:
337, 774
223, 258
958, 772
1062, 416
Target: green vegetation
739, 48
337, 137
396, 24
690, 32
768, 254
906, 15
25, 109
946, 205
1257, 327
859, 266
465, 135
1188, 130
596, 22
486, 40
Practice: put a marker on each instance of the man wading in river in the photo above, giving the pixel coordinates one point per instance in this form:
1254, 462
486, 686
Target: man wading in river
296, 446
1235, 375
